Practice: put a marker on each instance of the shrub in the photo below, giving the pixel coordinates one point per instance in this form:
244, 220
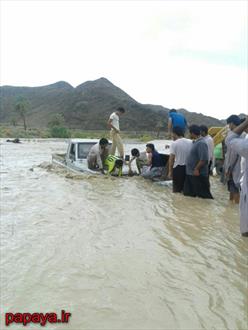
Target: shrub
59, 132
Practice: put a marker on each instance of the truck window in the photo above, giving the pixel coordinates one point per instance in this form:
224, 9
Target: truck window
83, 149
72, 152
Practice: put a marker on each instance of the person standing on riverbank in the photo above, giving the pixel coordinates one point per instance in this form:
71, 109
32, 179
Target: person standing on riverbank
113, 123
240, 146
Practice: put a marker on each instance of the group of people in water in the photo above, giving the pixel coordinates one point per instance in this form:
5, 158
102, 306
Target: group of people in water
190, 161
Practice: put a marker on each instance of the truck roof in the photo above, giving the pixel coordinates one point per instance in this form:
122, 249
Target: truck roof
84, 140
162, 146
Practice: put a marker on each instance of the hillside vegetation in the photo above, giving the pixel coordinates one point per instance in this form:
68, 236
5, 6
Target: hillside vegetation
87, 107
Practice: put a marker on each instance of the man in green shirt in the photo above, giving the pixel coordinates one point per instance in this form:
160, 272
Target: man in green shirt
113, 164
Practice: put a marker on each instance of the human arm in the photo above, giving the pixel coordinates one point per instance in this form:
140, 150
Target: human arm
110, 124
129, 165
211, 149
185, 122
240, 129
171, 164
235, 143
149, 159
198, 167
169, 125
202, 152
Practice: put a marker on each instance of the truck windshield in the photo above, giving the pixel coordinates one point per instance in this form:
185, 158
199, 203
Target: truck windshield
83, 149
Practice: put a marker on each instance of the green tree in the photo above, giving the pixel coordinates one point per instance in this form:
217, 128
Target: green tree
56, 120
13, 121
59, 132
21, 107
159, 126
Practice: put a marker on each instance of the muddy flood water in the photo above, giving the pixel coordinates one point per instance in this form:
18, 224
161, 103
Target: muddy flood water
117, 253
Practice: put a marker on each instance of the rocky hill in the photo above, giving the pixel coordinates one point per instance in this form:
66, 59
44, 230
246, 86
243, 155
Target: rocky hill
88, 106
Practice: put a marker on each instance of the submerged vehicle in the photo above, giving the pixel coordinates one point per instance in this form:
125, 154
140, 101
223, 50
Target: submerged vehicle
75, 159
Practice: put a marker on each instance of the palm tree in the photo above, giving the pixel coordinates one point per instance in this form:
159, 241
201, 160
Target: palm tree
21, 108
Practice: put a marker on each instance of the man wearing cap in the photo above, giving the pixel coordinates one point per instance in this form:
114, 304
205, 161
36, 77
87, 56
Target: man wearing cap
240, 146
196, 183
232, 167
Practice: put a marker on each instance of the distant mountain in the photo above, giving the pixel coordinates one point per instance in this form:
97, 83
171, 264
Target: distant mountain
88, 106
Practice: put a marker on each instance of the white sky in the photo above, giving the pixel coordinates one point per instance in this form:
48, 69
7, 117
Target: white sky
190, 54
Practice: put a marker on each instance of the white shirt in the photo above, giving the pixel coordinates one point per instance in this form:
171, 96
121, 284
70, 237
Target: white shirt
96, 151
243, 165
181, 149
115, 121
210, 142
240, 146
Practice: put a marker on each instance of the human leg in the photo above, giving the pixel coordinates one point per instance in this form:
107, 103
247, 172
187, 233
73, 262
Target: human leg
243, 210
113, 138
119, 145
179, 173
188, 188
202, 187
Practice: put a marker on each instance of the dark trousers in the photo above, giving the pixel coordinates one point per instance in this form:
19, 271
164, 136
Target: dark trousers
197, 186
179, 173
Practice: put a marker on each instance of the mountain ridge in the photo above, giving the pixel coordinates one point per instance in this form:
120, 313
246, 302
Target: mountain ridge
88, 106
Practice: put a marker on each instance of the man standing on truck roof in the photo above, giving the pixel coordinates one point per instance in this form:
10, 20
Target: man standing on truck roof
176, 119
113, 123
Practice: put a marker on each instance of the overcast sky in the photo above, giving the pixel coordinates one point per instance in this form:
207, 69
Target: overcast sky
179, 54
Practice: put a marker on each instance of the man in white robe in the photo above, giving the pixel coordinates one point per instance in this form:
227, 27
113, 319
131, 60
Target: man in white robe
240, 146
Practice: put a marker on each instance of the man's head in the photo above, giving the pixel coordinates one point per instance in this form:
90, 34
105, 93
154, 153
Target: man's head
172, 110
233, 121
103, 143
120, 111
135, 152
177, 133
150, 148
204, 130
194, 131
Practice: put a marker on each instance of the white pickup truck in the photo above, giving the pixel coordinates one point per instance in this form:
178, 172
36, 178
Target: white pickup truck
75, 158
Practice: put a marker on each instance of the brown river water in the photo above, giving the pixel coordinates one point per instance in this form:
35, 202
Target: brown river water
117, 253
